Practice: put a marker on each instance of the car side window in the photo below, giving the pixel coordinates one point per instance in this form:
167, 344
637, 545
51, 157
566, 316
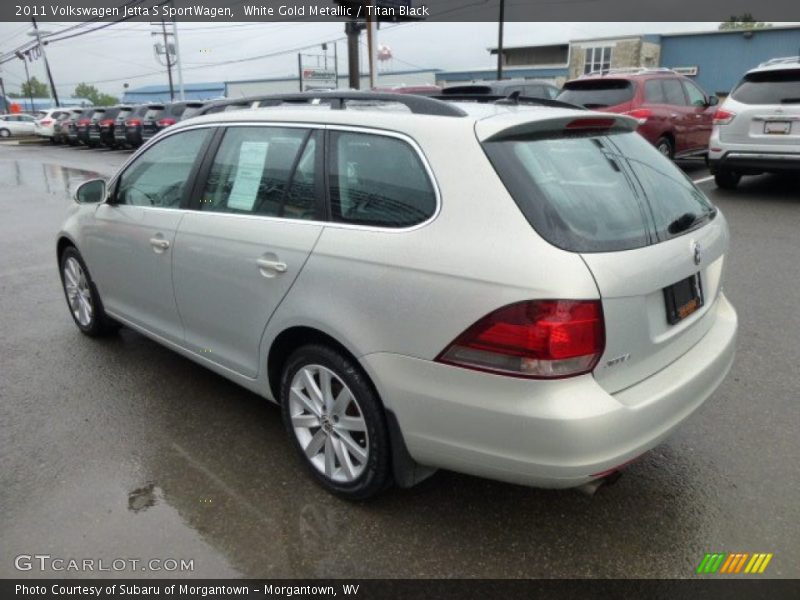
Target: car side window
653, 92
160, 176
267, 171
696, 97
534, 91
673, 92
378, 180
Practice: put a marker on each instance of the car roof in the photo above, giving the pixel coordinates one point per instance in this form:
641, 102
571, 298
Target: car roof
492, 116
778, 64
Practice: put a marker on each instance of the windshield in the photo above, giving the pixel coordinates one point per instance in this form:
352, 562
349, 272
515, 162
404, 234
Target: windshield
593, 93
599, 193
769, 87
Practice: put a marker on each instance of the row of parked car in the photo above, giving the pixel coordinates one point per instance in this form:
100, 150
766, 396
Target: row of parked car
121, 126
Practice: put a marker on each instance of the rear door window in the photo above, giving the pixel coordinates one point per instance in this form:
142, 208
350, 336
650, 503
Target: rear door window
696, 97
267, 171
597, 93
598, 193
378, 180
769, 87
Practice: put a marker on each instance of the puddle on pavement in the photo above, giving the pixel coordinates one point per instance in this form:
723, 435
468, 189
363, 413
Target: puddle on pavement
49, 178
142, 498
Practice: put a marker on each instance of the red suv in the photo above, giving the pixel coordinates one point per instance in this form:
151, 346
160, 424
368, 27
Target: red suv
674, 113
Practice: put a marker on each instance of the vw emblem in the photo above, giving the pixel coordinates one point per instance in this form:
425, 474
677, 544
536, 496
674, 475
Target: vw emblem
697, 253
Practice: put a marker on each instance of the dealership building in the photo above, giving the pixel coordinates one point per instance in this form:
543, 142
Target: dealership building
715, 59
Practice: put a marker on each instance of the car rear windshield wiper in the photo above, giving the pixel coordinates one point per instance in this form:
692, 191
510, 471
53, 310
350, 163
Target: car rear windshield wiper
790, 100
688, 220
594, 105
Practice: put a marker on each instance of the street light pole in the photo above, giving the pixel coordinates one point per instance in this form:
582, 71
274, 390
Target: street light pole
169, 62
46, 64
178, 60
21, 56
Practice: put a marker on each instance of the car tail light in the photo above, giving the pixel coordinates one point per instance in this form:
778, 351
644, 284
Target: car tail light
723, 117
640, 114
83, 122
106, 123
45, 122
133, 122
166, 122
591, 123
540, 339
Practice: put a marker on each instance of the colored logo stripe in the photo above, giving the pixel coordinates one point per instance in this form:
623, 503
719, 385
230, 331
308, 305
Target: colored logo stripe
733, 563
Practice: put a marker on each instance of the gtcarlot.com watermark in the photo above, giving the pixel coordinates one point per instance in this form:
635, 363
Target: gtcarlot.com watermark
57, 564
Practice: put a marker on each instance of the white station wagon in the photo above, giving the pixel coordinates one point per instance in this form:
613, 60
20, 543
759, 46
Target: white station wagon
527, 293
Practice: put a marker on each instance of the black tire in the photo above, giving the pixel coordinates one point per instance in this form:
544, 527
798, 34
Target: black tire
665, 146
727, 180
5, 134
99, 324
376, 474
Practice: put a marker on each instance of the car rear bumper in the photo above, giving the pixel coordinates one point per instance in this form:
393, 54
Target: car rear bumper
749, 161
555, 434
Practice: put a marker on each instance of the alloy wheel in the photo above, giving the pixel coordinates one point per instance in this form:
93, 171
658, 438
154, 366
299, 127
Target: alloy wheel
328, 423
79, 295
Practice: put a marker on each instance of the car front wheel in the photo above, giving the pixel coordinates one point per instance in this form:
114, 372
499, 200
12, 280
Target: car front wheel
82, 297
5, 133
336, 422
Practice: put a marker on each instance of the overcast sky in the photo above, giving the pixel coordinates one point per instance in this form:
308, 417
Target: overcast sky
123, 53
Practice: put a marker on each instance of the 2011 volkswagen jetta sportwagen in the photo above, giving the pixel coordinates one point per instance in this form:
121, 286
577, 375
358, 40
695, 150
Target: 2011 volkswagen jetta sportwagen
527, 293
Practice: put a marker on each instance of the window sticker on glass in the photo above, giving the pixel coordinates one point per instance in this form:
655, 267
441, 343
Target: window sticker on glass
249, 173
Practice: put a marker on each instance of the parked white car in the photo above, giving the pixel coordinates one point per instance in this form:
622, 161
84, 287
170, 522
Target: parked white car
16, 125
46, 120
757, 128
541, 307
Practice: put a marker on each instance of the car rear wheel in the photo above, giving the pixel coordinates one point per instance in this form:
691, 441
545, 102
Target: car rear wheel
665, 147
82, 297
727, 180
336, 422
4, 133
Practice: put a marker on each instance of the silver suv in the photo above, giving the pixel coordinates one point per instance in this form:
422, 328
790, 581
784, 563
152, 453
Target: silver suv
526, 293
757, 129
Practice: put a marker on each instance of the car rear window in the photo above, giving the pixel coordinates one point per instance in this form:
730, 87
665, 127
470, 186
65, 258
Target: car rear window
598, 193
597, 93
467, 89
154, 112
769, 87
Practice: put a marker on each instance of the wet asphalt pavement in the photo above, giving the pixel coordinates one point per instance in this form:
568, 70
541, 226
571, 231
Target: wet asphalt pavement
120, 448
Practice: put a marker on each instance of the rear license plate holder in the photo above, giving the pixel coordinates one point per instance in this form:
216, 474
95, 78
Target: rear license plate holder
683, 298
777, 127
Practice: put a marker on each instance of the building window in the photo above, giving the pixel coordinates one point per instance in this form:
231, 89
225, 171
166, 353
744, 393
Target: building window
597, 59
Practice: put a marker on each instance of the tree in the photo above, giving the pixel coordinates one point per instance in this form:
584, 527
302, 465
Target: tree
745, 21
91, 93
35, 88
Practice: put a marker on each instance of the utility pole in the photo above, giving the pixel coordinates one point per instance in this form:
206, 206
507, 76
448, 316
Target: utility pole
372, 48
500, 40
178, 61
5, 98
46, 64
21, 56
169, 62
336, 63
353, 31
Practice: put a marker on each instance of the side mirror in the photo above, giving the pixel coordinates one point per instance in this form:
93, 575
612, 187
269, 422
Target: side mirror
91, 192
713, 101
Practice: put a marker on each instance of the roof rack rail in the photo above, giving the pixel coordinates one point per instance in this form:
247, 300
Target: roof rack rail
513, 99
628, 71
785, 60
420, 105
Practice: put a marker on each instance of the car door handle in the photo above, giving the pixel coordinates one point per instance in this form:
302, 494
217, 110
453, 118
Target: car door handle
159, 243
271, 265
